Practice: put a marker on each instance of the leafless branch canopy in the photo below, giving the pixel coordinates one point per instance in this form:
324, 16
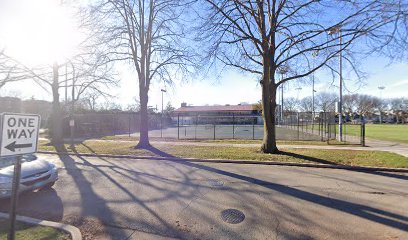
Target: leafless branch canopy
301, 36
147, 33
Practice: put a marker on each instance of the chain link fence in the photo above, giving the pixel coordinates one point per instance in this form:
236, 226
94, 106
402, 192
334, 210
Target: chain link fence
299, 126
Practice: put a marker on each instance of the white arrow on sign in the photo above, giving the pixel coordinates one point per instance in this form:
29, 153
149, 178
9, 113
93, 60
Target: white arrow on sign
19, 134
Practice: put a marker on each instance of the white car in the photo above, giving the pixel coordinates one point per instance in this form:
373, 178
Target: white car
36, 173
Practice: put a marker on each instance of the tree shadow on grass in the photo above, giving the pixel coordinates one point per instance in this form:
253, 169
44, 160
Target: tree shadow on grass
307, 158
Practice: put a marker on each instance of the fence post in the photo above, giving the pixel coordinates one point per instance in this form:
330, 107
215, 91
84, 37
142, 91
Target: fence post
253, 129
195, 129
178, 126
114, 124
129, 124
214, 131
362, 137
233, 126
298, 127
344, 132
321, 126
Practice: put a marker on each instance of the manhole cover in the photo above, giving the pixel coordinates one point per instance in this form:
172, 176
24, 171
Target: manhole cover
215, 183
232, 216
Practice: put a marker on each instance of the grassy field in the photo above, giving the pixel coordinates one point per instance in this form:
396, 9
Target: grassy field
32, 232
347, 157
386, 132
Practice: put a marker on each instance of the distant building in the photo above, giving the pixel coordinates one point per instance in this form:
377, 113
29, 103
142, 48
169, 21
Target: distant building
32, 106
227, 114
40, 107
10, 104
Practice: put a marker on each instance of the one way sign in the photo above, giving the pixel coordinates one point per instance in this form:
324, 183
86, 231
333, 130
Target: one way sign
19, 134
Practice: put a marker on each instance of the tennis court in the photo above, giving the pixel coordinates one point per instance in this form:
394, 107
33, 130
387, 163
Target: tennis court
209, 131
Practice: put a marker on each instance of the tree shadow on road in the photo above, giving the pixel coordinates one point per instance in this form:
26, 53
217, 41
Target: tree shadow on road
86, 221
110, 219
84, 185
373, 214
369, 213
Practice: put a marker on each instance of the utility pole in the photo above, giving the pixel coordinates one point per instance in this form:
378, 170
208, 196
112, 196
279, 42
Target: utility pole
334, 30
282, 70
282, 103
314, 54
381, 88
341, 89
72, 119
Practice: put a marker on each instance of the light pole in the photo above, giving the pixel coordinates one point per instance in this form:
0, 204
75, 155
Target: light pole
72, 119
298, 89
281, 103
282, 70
161, 119
334, 30
314, 54
381, 88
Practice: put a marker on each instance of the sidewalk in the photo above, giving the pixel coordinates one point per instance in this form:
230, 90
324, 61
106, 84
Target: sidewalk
395, 147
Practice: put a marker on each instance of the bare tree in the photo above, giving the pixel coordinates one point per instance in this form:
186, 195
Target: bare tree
278, 37
398, 106
349, 103
325, 102
365, 104
291, 105
134, 106
149, 34
306, 104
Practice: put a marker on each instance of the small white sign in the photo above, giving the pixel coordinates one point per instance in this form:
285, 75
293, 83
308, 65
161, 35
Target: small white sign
19, 134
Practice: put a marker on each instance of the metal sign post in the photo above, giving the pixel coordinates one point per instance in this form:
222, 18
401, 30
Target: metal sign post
18, 136
14, 198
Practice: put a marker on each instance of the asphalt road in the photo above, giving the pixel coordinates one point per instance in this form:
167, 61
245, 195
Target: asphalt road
152, 199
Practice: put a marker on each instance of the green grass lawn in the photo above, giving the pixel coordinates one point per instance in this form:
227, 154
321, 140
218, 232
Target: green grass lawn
386, 132
221, 141
32, 232
347, 157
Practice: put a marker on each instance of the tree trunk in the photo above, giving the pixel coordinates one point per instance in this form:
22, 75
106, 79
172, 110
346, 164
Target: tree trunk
56, 114
144, 120
268, 111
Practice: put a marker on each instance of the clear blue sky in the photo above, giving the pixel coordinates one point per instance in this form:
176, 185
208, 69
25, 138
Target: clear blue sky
234, 87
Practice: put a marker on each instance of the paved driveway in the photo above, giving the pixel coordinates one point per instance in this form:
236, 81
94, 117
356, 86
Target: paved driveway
156, 199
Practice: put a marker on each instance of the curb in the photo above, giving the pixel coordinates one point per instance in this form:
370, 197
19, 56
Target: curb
294, 164
73, 231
